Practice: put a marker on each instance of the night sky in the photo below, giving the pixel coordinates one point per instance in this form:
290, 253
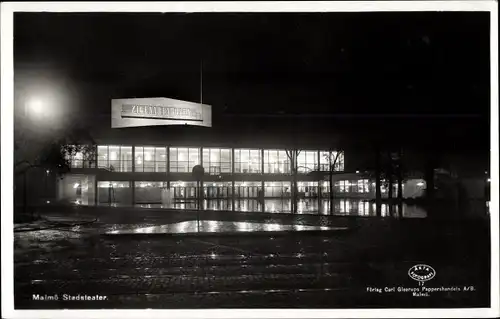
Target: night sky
348, 67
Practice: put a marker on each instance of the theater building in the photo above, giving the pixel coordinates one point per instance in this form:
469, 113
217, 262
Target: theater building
136, 174
243, 164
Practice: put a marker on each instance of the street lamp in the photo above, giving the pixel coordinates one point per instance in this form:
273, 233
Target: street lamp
34, 106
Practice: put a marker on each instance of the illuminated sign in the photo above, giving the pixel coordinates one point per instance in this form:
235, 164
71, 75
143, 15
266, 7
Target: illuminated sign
158, 111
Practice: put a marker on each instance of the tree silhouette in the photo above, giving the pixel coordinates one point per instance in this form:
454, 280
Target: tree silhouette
334, 160
293, 155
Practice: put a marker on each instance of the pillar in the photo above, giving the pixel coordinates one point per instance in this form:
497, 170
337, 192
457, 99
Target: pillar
261, 197
96, 191
232, 175
232, 194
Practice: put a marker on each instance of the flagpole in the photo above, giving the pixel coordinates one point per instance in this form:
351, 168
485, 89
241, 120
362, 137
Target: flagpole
201, 82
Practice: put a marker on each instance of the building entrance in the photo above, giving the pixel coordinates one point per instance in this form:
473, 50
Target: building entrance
247, 189
184, 190
217, 190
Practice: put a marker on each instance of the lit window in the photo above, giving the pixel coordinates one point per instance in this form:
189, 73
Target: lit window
216, 160
247, 161
307, 161
182, 160
276, 162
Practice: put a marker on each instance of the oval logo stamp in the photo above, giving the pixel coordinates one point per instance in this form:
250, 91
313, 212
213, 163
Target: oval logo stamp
421, 273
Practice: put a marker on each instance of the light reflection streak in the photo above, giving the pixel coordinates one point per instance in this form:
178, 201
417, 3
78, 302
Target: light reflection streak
191, 226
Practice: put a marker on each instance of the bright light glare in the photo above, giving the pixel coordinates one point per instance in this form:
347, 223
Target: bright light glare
36, 107
76, 185
420, 184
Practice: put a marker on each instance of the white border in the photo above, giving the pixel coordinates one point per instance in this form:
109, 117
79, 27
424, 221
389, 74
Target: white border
7, 99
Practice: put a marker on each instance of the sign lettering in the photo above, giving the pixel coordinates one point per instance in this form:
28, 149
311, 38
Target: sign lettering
160, 112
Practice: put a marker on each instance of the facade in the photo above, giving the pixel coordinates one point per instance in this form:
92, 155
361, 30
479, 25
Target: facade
137, 174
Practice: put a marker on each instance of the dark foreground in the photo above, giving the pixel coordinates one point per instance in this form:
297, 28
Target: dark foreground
364, 267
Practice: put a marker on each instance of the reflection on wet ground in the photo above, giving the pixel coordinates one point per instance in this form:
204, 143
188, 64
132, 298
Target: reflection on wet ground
214, 226
344, 207
326, 270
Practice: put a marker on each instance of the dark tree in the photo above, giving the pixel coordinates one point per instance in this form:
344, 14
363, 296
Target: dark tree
51, 152
334, 160
293, 155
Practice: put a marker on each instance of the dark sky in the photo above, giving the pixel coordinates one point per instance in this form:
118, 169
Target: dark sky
335, 63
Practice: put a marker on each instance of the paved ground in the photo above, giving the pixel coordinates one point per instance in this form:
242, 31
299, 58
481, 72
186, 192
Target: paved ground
328, 270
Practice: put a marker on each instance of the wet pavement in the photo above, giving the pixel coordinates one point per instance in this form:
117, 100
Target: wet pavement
333, 270
200, 227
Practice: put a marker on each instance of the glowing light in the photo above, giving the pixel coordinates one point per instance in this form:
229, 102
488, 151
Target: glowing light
76, 185
139, 161
420, 184
212, 226
488, 180
48, 172
272, 227
300, 227
36, 106
357, 172
48, 202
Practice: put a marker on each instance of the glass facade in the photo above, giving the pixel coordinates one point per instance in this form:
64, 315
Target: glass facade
276, 162
150, 159
247, 189
115, 158
217, 160
307, 161
263, 193
355, 186
363, 186
148, 192
307, 189
247, 161
183, 159
327, 158
277, 189
184, 190
114, 192
217, 190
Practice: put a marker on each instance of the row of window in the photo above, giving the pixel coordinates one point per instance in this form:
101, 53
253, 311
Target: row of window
215, 160
274, 188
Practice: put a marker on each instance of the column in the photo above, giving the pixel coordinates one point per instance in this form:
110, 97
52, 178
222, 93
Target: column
200, 190
319, 195
232, 178
319, 161
96, 191
133, 158
168, 167
232, 195
261, 197
132, 184
262, 161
